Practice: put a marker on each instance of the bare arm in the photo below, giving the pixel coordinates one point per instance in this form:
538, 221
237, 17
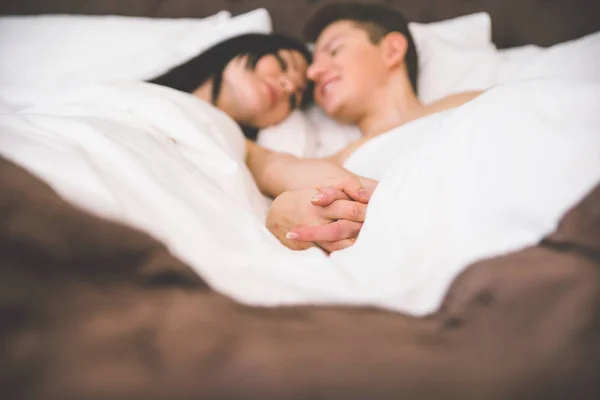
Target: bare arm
276, 173
294, 182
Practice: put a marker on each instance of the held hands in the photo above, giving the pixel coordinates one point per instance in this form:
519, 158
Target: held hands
330, 216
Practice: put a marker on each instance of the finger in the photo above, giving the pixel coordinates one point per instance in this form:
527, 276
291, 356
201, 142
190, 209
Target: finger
331, 232
337, 246
345, 209
369, 184
328, 195
354, 189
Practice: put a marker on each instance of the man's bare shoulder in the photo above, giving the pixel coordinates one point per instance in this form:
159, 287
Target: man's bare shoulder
452, 101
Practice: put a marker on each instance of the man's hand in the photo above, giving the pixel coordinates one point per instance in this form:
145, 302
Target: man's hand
330, 216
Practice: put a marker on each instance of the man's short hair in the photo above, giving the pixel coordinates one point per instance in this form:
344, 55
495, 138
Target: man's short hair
376, 20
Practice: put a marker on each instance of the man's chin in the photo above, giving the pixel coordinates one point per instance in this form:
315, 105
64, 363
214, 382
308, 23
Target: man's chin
338, 114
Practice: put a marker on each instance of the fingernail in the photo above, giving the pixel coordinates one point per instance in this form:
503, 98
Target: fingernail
363, 194
291, 236
318, 197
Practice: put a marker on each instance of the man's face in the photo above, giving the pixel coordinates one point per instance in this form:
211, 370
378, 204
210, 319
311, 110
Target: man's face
347, 67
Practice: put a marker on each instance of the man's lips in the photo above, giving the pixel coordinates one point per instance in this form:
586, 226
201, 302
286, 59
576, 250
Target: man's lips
323, 86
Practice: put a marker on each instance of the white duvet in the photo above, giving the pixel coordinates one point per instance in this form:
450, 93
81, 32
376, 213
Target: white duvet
489, 177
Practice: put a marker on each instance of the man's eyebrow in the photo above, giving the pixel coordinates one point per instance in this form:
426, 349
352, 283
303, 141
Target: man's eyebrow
329, 42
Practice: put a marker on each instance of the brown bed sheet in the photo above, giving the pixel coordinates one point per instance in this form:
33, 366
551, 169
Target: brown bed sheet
93, 310
515, 22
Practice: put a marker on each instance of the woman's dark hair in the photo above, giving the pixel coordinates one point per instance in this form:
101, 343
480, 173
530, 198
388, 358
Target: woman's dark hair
210, 64
376, 20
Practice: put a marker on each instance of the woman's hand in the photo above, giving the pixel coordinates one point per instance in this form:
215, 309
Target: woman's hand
330, 216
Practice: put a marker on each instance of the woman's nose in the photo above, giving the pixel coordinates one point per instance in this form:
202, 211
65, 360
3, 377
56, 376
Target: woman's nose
287, 84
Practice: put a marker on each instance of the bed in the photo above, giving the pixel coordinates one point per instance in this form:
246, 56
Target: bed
96, 309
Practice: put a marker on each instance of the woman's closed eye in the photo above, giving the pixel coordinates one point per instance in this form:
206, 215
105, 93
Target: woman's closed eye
290, 68
282, 62
296, 97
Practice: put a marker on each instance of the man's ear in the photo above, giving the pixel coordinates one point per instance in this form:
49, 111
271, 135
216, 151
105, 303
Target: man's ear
394, 46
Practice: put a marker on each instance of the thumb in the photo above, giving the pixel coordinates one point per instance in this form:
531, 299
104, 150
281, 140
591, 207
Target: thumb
327, 195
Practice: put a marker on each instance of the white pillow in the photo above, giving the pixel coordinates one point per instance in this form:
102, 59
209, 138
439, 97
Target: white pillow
518, 53
455, 55
42, 55
168, 52
579, 59
295, 135
44, 48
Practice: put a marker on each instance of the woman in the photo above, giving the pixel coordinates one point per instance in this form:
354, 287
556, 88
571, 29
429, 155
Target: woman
257, 79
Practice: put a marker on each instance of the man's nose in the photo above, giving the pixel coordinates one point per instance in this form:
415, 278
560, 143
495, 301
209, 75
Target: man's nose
315, 70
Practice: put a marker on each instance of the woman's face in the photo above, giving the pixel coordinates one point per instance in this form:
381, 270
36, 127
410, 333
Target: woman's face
266, 95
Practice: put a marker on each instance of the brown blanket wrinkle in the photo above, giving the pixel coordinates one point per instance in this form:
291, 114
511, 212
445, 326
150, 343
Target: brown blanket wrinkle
579, 230
92, 247
90, 309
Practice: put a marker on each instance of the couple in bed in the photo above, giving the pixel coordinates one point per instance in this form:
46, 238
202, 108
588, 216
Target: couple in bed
363, 71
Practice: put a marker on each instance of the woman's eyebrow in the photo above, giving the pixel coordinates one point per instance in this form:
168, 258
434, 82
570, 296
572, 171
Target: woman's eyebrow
283, 63
296, 66
303, 75
294, 62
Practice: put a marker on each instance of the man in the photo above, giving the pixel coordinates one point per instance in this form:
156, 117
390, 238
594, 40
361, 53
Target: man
365, 73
